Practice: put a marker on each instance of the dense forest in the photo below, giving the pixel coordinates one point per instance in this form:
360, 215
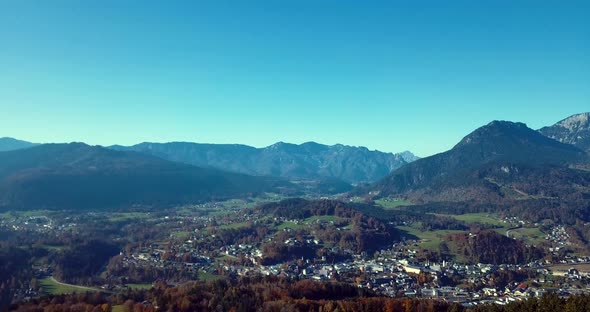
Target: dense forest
491, 247
276, 294
246, 294
81, 263
14, 271
367, 233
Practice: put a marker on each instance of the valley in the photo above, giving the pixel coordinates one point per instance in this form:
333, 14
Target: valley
319, 240
502, 218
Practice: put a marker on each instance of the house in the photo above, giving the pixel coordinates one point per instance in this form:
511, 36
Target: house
490, 292
412, 269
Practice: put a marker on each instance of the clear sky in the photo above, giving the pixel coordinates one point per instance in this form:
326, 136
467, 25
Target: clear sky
391, 75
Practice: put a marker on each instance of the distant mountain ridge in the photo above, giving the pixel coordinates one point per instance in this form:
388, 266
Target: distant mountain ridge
502, 160
573, 130
305, 161
10, 144
78, 176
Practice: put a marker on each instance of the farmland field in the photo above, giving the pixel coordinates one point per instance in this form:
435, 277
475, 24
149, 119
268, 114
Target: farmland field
389, 203
50, 286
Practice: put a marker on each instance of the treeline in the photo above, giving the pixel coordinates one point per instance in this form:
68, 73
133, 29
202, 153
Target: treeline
81, 263
275, 294
491, 247
246, 294
562, 210
548, 303
15, 271
141, 274
298, 208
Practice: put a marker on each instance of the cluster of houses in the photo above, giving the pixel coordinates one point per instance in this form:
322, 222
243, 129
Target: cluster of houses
559, 237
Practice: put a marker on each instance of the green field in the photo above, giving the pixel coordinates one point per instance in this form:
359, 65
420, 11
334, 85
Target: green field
235, 225
51, 287
393, 203
322, 218
139, 286
124, 216
290, 225
532, 236
479, 218
204, 276
428, 239
182, 234
119, 308
564, 267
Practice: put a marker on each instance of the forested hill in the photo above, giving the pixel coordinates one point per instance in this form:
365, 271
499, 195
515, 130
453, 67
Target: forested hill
502, 160
78, 176
10, 144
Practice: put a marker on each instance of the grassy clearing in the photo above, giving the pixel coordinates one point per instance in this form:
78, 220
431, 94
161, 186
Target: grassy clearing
428, 239
181, 234
124, 216
532, 236
393, 203
139, 286
119, 308
479, 218
322, 218
564, 267
290, 225
50, 286
235, 225
205, 276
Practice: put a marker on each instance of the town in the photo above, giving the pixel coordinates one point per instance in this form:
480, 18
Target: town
233, 239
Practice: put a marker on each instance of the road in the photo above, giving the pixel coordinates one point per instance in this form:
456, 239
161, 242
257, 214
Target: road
76, 286
510, 229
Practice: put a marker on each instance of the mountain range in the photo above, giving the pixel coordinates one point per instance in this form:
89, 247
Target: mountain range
78, 176
311, 161
501, 163
573, 130
10, 144
306, 161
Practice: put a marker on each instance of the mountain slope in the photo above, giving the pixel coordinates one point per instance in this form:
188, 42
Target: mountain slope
492, 163
306, 161
77, 176
573, 130
10, 144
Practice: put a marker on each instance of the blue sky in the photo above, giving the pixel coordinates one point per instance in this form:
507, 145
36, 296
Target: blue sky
391, 75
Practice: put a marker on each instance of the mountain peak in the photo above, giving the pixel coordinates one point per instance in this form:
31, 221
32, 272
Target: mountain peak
497, 144
10, 144
576, 122
408, 156
573, 130
495, 130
